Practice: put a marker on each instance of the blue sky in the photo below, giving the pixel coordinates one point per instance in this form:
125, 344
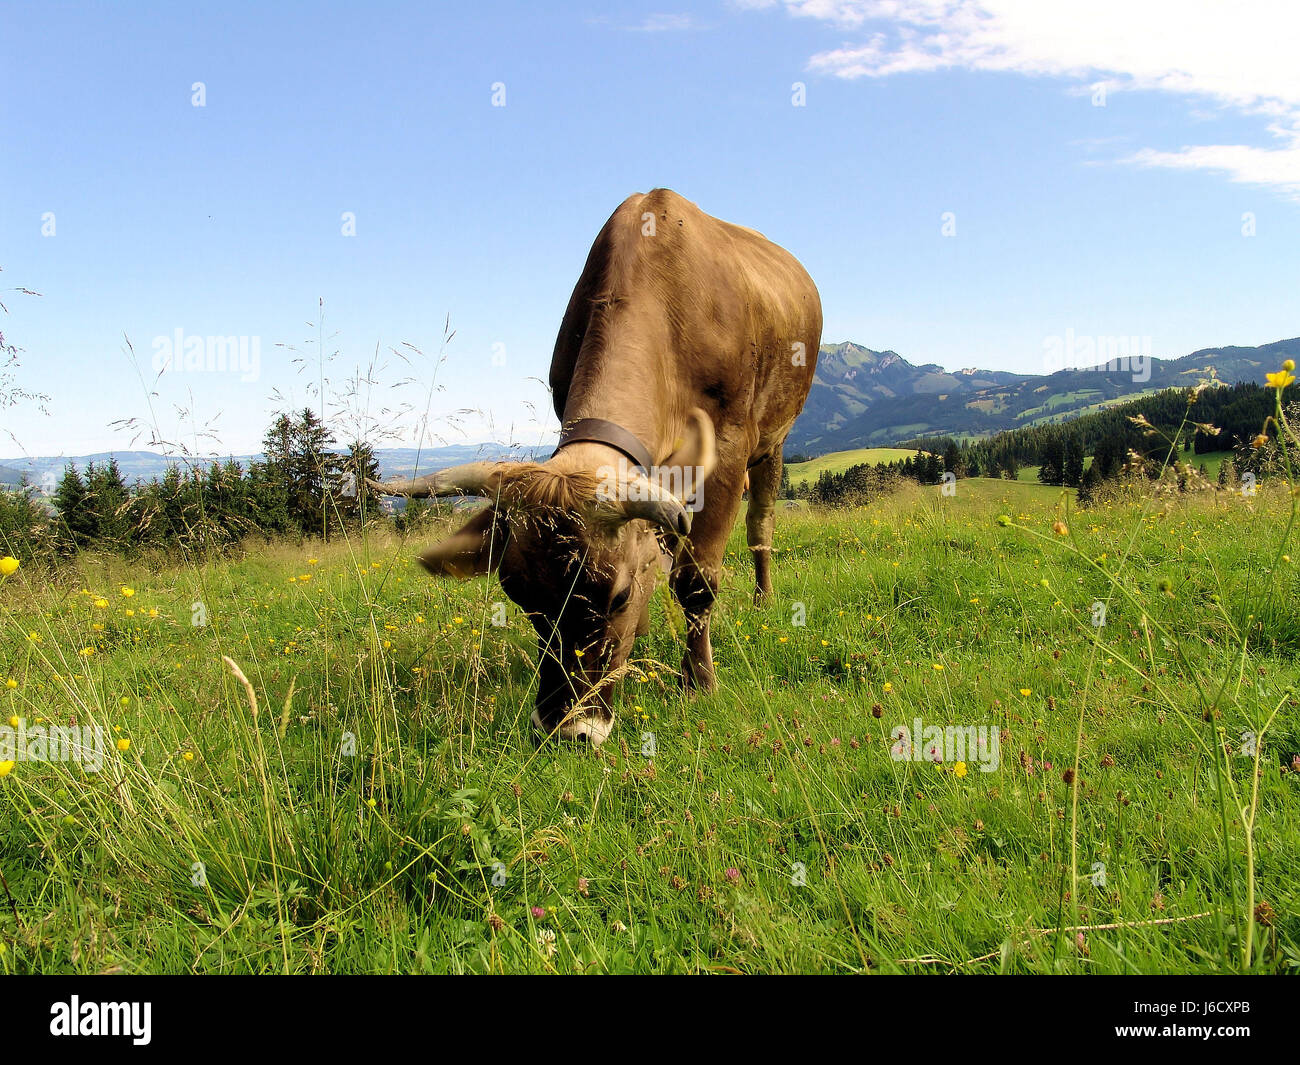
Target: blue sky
226, 219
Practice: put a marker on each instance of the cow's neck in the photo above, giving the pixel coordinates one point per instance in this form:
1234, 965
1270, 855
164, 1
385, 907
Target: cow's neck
628, 392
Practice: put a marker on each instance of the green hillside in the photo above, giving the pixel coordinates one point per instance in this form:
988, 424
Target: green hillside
839, 461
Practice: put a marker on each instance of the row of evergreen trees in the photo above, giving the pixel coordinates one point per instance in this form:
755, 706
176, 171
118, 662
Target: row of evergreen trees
1238, 412
301, 487
1060, 451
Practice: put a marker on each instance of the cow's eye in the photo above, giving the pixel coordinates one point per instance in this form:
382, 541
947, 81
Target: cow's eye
620, 600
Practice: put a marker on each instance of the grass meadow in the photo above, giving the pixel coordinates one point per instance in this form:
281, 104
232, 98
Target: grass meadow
373, 799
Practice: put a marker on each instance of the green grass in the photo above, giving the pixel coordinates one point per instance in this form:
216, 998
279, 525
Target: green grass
386, 810
1212, 461
839, 461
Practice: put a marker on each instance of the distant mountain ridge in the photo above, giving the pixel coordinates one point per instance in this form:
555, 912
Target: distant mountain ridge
860, 398
864, 398
146, 465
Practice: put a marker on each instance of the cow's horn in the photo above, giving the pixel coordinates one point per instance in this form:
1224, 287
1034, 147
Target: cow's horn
471, 479
645, 499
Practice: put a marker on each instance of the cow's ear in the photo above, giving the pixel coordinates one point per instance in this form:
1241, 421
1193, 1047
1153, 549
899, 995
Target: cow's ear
696, 448
472, 550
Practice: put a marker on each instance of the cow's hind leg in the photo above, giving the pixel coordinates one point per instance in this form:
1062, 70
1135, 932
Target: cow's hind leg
697, 570
764, 484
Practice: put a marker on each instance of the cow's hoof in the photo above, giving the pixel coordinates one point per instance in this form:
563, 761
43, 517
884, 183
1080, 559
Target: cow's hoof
577, 728
761, 597
697, 679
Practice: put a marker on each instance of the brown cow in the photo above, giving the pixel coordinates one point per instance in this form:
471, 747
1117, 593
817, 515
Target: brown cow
684, 357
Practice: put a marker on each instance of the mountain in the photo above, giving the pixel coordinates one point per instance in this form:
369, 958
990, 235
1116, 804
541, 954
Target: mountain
864, 398
45, 470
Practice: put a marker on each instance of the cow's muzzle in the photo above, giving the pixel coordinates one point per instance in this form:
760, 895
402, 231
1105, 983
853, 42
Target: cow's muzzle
577, 726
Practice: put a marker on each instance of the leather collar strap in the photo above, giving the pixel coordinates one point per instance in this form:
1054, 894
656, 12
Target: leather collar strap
599, 431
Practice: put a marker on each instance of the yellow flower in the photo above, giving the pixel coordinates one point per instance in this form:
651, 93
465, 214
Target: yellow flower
188, 756
312, 561
125, 700
123, 744
101, 603
889, 687
6, 768
11, 683
1289, 364
127, 592
1280, 379
937, 667
8, 566
1026, 691
130, 613
959, 770
14, 721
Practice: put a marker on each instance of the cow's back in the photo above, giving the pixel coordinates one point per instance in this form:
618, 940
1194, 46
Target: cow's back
676, 309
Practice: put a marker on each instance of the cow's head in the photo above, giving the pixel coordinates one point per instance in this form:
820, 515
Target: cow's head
576, 542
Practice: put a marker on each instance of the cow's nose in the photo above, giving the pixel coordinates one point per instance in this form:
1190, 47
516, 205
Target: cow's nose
578, 728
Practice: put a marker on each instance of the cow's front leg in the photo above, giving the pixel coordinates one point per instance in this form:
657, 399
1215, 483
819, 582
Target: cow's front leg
695, 586
697, 572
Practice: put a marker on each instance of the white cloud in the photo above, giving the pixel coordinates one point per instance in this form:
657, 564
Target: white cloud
1276, 167
1236, 54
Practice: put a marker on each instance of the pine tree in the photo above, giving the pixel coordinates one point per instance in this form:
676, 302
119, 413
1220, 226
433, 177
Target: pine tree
1088, 486
1072, 471
1051, 468
952, 462
107, 498
313, 474
77, 527
356, 498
